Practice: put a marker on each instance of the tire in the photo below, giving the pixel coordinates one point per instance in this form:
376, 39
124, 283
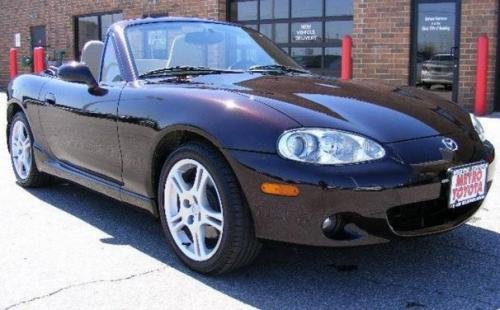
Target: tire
229, 246
27, 173
427, 85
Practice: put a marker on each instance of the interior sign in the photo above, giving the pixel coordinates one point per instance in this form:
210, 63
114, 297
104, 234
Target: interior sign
17, 40
306, 33
436, 23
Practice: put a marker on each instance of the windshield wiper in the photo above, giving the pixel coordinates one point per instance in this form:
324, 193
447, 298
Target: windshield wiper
276, 67
182, 70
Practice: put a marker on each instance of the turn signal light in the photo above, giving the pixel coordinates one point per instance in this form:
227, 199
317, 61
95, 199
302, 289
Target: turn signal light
280, 189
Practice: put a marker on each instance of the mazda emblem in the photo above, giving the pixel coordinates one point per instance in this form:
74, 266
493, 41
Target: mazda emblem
450, 144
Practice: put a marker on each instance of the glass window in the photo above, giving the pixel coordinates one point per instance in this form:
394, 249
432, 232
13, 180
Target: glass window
338, 8
88, 29
333, 60
201, 44
267, 30
281, 33
244, 10
307, 32
93, 28
309, 8
277, 32
300, 27
110, 71
309, 57
336, 30
271, 9
108, 20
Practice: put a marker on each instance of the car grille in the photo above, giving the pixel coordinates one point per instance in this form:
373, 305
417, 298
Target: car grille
422, 217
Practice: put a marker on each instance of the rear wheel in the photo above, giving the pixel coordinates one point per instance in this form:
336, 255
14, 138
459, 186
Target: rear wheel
203, 213
21, 154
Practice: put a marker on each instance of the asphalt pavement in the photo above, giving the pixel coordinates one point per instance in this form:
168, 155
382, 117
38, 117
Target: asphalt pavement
65, 247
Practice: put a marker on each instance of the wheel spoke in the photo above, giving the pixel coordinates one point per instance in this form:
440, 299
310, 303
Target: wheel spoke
24, 134
180, 184
26, 143
20, 132
200, 181
14, 149
20, 164
199, 246
26, 161
214, 220
177, 226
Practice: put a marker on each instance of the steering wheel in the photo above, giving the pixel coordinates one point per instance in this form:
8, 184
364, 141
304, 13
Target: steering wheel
243, 64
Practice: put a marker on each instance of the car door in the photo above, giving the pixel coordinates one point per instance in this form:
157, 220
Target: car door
80, 126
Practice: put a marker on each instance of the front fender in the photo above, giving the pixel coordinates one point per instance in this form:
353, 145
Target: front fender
230, 121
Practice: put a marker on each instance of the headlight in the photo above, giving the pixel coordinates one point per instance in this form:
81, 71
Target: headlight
478, 127
327, 147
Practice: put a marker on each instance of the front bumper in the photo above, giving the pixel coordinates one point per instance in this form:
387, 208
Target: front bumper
437, 78
378, 201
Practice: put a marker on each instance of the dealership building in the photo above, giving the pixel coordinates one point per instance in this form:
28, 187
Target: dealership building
426, 43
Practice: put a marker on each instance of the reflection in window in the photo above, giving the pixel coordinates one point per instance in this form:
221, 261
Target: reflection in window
271, 9
338, 8
309, 57
308, 32
333, 60
244, 10
276, 32
310, 8
336, 30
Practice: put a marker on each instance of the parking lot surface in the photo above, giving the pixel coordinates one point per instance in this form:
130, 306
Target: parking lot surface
65, 247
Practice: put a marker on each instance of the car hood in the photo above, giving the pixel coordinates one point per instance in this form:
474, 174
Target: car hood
383, 112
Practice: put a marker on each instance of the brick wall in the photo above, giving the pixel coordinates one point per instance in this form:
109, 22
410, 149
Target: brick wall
478, 17
381, 38
382, 42
57, 16
381, 32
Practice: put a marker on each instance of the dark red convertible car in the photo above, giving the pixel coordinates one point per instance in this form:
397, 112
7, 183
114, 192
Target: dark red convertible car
214, 129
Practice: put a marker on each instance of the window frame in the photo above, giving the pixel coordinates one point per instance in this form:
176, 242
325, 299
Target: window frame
287, 47
111, 37
99, 25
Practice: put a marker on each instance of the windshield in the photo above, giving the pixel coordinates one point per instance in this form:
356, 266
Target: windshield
162, 45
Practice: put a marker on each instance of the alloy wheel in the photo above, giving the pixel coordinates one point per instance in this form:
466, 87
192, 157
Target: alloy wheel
193, 209
20, 146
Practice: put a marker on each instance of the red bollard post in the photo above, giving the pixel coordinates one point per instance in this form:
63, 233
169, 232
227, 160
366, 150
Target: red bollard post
480, 104
13, 63
38, 60
346, 71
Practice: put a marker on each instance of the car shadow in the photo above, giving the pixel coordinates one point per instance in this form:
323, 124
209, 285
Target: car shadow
458, 269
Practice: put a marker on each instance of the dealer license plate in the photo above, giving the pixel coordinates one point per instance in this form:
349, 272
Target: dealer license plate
468, 184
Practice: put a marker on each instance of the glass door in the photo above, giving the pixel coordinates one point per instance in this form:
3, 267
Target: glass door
435, 46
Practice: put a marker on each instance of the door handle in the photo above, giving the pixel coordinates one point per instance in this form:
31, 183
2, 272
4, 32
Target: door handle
50, 98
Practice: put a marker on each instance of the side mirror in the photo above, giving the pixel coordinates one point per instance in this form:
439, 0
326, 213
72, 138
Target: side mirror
77, 72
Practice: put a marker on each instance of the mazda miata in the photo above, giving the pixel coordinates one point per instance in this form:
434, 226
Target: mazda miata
215, 130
